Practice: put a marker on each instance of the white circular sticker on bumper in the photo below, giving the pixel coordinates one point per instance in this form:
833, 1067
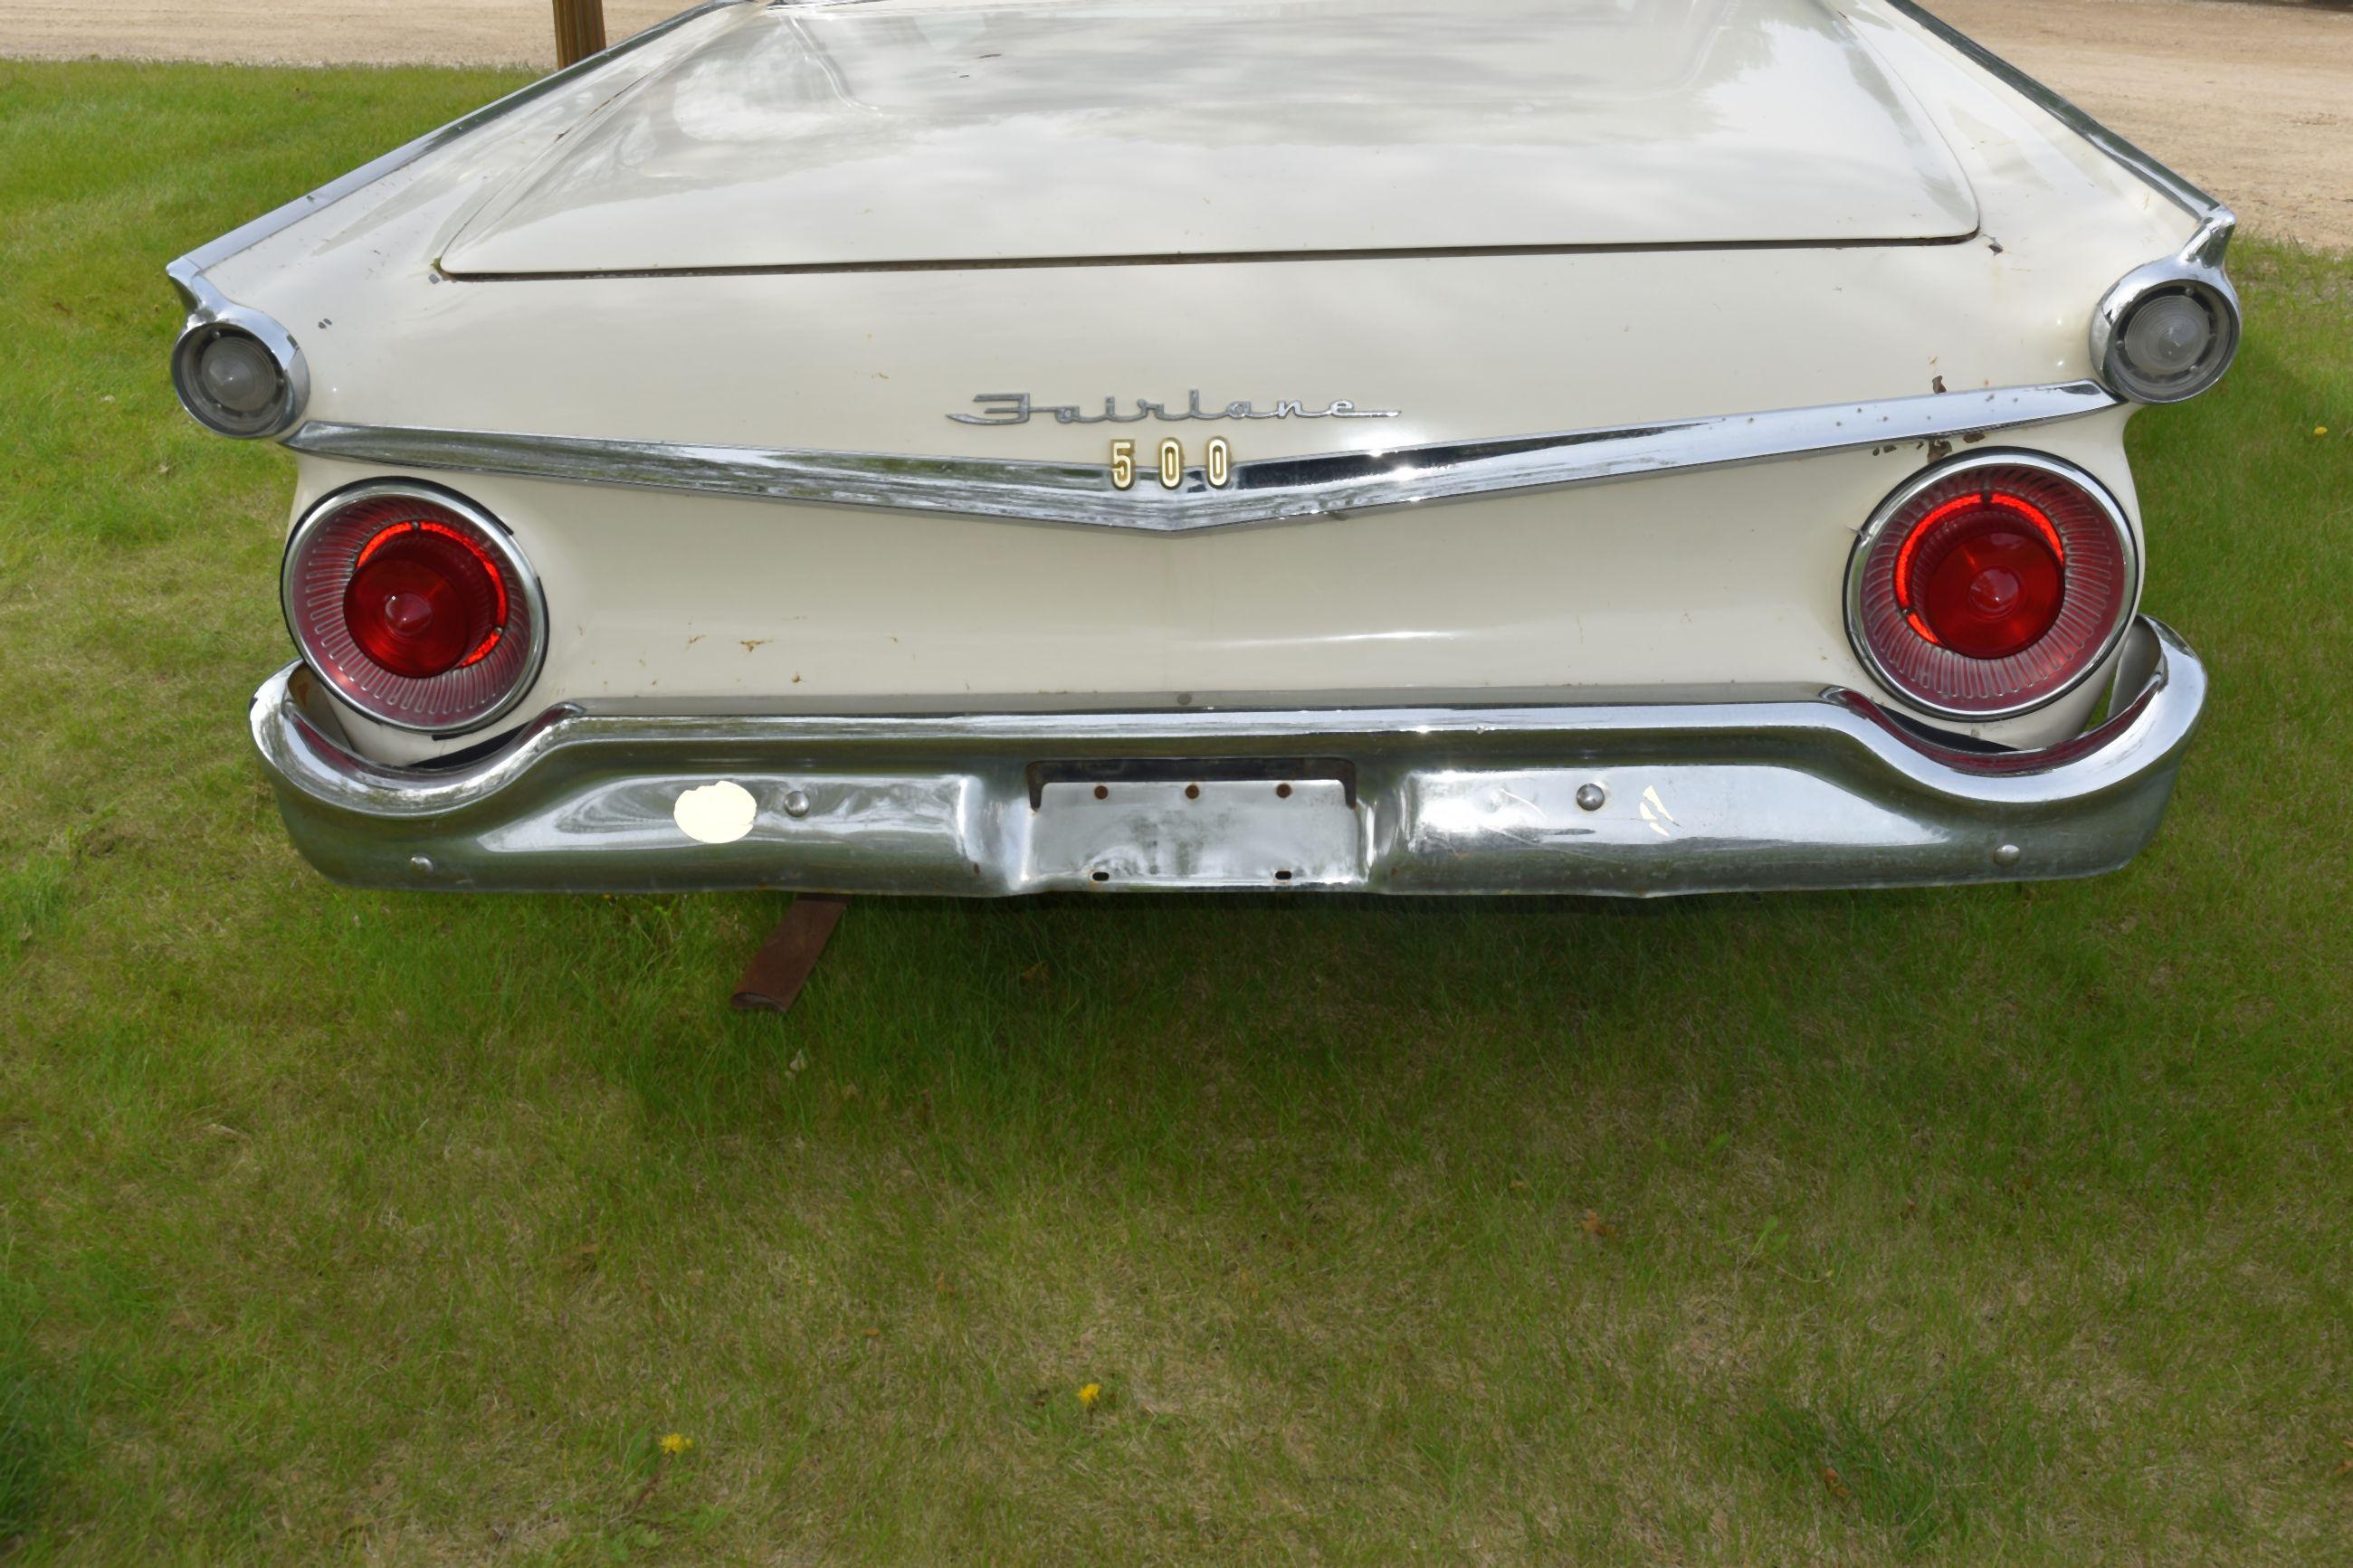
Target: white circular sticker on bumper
720, 813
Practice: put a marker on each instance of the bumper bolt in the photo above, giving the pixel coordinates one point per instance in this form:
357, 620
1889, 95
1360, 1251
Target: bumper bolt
2006, 854
797, 803
1590, 796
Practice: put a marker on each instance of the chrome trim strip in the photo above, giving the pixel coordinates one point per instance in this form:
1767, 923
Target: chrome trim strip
1636, 800
2189, 197
1269, 490
189, 268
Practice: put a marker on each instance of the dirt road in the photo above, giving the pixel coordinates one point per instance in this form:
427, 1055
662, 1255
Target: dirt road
2253, 100
306, 32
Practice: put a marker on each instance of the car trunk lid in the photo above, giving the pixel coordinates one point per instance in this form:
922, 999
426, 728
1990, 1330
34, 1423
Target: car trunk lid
948, 132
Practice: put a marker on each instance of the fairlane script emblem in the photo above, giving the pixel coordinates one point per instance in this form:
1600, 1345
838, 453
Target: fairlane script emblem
1015, 408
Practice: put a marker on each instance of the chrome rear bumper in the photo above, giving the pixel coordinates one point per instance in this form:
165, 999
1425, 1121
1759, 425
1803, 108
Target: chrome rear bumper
1635, 801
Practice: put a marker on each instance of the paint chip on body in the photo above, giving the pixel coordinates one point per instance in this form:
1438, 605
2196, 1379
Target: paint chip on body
718, 812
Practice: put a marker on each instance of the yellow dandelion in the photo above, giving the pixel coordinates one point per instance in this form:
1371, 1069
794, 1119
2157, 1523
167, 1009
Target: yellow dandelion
1087, 1393
2321, 430
676, 1442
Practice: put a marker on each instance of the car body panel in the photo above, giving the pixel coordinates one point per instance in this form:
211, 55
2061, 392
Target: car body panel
670, 600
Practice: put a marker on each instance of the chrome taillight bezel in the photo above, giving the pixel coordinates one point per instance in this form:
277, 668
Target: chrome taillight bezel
1865, 560
2195, 274
213, 318
403, 702
2138, 291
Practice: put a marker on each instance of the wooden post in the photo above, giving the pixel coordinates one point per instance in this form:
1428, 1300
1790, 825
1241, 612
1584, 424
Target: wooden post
579, 30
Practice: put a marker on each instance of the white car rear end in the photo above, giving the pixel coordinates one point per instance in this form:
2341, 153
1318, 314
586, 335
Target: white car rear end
1504, 427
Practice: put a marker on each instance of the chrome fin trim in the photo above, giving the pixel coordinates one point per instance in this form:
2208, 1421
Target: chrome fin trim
2198, 264
1269, 490
187, 270
2184, 194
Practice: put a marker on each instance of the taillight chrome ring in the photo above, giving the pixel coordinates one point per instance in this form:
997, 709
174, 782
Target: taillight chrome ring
2198, 314
322, 557
238, 371
2101, 565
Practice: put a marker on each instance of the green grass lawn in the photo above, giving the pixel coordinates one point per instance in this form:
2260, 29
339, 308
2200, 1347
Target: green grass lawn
2012, 1224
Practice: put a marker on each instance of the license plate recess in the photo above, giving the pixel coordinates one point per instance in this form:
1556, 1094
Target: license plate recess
1249, 822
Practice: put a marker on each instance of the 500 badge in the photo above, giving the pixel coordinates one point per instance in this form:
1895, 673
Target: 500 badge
1216, 466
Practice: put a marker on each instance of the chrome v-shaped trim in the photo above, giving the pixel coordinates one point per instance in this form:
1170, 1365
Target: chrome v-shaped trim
1272, 489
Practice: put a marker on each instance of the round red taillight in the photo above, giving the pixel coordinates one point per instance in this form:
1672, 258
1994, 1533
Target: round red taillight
1992, 584
424, 599
1983, 574
415, 605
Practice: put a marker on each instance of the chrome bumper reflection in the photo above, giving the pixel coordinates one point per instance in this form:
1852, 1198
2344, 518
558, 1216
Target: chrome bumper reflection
1635, 801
